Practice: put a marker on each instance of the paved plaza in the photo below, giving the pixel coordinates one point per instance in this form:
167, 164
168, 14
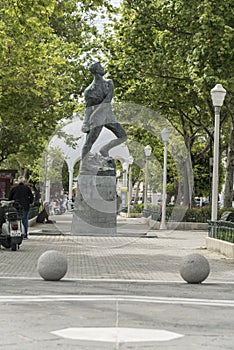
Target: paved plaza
120, 292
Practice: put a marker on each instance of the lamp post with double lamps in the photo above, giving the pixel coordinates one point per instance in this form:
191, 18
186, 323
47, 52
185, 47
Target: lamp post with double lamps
165, 134
148, 151
217, 94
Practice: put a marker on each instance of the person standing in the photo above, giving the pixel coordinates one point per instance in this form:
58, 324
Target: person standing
23, 195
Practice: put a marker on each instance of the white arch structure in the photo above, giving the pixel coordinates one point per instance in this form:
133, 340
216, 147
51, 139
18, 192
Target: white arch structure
73, 154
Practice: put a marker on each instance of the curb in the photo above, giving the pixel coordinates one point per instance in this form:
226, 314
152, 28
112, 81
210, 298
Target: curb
222, 247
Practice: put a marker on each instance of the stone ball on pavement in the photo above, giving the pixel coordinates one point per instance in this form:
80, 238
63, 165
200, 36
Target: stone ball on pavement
194, 268
52, 265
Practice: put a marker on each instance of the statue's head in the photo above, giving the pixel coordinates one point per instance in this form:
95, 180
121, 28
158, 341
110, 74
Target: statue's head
96, 68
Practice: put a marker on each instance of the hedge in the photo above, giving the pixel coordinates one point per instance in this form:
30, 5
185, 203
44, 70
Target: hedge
187, 215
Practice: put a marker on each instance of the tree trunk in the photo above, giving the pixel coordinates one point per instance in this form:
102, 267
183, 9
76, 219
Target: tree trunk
188, 184
137, 193
228, 190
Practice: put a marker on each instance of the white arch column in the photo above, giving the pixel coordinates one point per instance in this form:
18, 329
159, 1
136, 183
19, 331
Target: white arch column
47, 191
71, 171
47, 179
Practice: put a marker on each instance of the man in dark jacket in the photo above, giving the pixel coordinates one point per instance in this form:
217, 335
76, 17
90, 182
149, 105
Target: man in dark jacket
24, 196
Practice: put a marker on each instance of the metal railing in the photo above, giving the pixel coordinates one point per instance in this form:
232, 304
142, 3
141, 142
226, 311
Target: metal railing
223, 230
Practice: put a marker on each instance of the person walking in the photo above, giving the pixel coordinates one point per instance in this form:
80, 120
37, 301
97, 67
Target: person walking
23, 195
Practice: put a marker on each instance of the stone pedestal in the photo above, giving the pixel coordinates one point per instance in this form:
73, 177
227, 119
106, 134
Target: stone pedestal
95, 205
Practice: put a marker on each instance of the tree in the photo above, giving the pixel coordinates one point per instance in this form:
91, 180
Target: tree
42, 70
228, 191
168, 55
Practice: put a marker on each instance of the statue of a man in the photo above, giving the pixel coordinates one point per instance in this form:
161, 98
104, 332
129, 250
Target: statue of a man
98, 112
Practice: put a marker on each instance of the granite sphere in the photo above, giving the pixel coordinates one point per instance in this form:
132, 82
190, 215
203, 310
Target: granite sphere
52, 265
194, 268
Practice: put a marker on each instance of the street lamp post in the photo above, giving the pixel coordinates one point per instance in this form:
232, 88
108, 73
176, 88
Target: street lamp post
125, 174
47, 178
165, 134
148, 151
218, 94
118, 173
130, 162
124, 185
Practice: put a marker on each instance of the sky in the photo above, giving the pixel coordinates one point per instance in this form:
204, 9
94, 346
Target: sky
115, 2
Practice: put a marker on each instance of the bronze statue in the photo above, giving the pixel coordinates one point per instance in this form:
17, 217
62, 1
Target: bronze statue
99, 114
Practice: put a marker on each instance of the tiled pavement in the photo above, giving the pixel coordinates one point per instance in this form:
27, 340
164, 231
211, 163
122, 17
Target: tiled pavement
129, 256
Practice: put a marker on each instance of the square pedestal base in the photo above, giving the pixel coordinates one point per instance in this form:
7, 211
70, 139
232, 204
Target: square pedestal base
95, 205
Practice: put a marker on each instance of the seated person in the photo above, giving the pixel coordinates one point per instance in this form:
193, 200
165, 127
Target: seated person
43, 216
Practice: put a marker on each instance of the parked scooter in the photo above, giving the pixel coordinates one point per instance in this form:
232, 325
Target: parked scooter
12, 229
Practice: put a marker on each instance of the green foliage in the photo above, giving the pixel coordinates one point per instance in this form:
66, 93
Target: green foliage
190, 214
137, 208
169, 60
196, 214
138, 138
222, 210
52, 167
42, 70
165, 55
154, 207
